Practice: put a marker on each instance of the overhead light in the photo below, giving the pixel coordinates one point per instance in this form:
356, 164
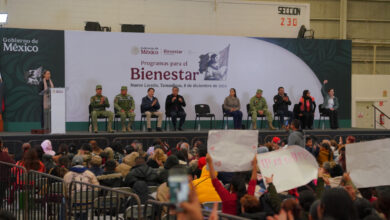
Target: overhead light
3, 18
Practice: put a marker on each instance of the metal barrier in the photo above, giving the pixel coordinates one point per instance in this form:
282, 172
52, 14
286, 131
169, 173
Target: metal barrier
45, 196
87, 201
160, 210
12, 190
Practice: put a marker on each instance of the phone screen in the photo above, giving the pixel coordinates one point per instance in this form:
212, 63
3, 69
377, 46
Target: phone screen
178, 185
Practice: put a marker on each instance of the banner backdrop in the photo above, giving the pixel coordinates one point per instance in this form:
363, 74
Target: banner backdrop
24, 55
203, 67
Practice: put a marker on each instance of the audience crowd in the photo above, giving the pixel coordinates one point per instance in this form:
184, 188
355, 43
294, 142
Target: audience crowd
248, 194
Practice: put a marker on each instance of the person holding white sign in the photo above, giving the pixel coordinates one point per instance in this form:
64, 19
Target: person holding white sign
232, 106
231, 198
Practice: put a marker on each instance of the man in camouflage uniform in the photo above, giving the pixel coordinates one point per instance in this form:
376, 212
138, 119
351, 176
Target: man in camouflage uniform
258, 107
124, 106
99, 104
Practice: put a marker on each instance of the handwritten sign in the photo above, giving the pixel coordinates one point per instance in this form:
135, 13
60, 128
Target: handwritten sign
292, 167
368, 163
232, 150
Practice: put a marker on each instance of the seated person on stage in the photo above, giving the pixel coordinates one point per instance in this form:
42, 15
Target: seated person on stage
258, 107
307, 106
174, 106
330, 106
124, 105
282, 101
99, 103
150, 106
231, 107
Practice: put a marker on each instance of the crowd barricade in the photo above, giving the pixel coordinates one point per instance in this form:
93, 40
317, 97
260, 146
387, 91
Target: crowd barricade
160, 210
34, 195
45, 196
13, 193
88, 201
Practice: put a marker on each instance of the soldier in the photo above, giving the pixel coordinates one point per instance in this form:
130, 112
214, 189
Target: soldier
258, 106
124, 106
99, 104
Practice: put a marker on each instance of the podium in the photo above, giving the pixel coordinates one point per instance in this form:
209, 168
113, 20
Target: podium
56, 104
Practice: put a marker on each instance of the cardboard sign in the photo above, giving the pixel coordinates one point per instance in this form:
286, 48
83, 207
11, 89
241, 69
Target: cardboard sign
368, 163
292, 167
232, 150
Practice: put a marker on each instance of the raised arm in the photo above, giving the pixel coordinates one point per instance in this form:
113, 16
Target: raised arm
273, 195
222, 192
323, 90
253, 180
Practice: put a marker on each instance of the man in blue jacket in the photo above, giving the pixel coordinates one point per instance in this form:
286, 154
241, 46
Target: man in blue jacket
150, 106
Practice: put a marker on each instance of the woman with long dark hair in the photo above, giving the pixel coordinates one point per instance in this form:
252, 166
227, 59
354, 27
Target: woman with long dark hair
325, 154
231, 107
307, 106
45, 86
31, 161
337, 204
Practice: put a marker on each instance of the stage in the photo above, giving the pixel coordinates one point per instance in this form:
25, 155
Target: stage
14, 140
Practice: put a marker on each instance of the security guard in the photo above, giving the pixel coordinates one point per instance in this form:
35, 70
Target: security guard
258, 106
124, 106
99, 104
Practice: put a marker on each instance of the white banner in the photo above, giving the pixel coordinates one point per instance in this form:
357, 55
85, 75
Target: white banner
368, 163
203, 67
232, 150
292, 167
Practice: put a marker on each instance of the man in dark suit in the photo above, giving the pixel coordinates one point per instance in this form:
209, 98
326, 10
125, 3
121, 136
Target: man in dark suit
174, 106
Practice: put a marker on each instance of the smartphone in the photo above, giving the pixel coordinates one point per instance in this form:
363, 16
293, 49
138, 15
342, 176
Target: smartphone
178, 185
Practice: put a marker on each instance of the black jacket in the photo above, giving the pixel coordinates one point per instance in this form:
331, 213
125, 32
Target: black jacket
142, 173
255, 216
146, 105
280, 104
174, 106
152, 163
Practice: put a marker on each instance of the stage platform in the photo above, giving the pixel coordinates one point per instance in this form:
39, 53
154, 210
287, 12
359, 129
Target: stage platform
14, 140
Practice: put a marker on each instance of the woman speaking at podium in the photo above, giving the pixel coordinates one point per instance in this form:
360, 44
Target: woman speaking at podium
45, 86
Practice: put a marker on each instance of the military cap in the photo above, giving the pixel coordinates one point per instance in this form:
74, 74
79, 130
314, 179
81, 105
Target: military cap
98, 86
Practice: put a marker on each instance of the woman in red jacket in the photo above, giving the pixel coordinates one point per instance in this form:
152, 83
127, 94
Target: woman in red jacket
31, 161
307, 106
231, 198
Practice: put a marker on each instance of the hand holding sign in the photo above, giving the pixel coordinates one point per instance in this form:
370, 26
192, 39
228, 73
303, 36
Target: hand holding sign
292, 166
368, 163
232, 150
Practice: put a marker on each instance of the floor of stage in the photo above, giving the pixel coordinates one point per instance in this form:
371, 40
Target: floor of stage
14, 140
